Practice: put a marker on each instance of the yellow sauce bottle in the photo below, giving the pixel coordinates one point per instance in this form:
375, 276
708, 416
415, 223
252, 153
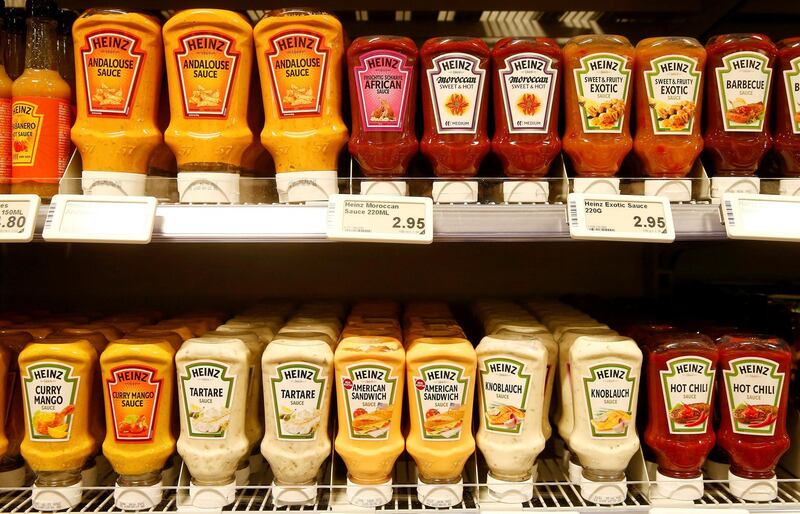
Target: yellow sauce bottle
138, 379
300, 62
209, 59
118, 57
12, 468
5, 397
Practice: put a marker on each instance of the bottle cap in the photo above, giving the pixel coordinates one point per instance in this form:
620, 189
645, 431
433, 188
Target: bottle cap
50, 499
505, 491
440, 495
283, 495
679, 488
753, 490
137, 498
574, 472
13, 477
604, 493
212, 496
369, 496
243, 474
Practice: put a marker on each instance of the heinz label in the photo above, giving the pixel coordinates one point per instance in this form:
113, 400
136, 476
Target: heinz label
133, 393
207, 388
792, 80
504, 389
112, 63
754, 387
207, 66
369, 395
686, 386
455, 83
297, 63
383, 80
528, 83
298, 389
441, 391
40, 140
602, 83
673, 84
610, 391
50, 390
743, 84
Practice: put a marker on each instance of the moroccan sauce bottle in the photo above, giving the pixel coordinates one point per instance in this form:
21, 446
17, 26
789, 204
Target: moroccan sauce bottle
787, 109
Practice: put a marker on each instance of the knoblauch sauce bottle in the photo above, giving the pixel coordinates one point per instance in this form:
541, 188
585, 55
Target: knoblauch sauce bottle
12, 468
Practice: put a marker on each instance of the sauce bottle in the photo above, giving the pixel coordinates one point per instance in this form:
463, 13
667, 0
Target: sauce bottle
512, 373
119, 59
41, 112
787, 109
527, 90
5, 397
440, 437
300, 54
58, 377
212, 389
739, 73
5, 125
138, 377
12, 467
680, 385
370, 372
597, 103
383, 94
15, 41
754, 384
454, 102
669, 92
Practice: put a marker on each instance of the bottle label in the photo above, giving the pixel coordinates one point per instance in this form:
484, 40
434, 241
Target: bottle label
504, 387
456, 83
528, 83
686, 385
111, 68
5, 138
133, 393
754, 387
792, 80
207, 67
609, 391
441, 391
40, 139
673, 84
208, 389
298, 389
383, 80
602, 83
369, 395
743, 83
50, 391
297, 63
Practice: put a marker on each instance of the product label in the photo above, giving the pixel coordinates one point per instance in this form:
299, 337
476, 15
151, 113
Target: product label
743, 83
754, 387
369, 395
40, 140
441, 391
50, 390
609, 390
792, 79
686, 385
297, 63
297, 394
504, 387
207, 67
456, 83
112, 63
208, 389
383, 81
133, 393
5, 138
673, 83
528, 83
602, 84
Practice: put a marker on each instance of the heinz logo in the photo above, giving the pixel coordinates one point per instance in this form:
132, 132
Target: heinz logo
383, 61
528, 64
607, 373
672, 66
111, 41
205, 372
690, 367
205, 43
21, 108
503, 367
455, 64
45, 373
441, 374
132, 375
296, 41
746, 64
368, 374
603, 64
297, 374
754, 369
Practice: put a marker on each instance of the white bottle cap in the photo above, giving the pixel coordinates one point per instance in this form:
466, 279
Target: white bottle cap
56, 498
283, 495
753, 490
137, 498
440, 495
306, 186
574, 472
679, 488
13, 477
243, 475
89, 475
212, 496
504, 491
604, 493
369, 496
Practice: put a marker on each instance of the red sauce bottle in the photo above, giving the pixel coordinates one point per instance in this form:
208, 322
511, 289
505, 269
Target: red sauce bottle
754, 389
787, 107
527, 87
738, 79
680, 432
454, 101
383, 93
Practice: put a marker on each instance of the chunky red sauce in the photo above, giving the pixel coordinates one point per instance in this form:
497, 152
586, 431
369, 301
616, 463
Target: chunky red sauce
787, 108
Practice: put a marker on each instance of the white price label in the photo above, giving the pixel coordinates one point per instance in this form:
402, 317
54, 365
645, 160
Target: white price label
379, 218
100, 219
620, 218
695, 510
764, 217
18, 217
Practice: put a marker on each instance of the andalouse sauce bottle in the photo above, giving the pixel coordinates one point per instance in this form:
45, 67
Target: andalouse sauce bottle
526, 94
787, 107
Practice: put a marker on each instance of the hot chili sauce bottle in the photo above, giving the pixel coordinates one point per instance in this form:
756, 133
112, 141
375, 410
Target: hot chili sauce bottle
527, 86
787, 107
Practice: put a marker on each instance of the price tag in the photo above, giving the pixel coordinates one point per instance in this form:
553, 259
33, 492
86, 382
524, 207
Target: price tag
620, 218
18, 217
695, 510
764, 217
100, 219
379, 218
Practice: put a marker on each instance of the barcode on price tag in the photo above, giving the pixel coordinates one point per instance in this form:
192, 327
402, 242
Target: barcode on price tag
378, 218
100, 219
763, 217
18, 217
620, 218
